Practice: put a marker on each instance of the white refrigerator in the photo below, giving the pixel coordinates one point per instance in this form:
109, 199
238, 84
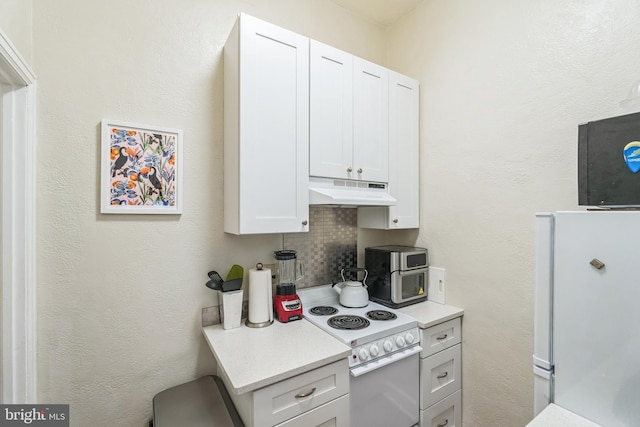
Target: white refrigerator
587, 315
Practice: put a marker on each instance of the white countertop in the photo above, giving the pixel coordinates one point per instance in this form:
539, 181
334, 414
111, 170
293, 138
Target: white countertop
556, 416
429, 313
252, 358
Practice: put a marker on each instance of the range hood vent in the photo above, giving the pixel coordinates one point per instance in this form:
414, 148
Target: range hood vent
342, 192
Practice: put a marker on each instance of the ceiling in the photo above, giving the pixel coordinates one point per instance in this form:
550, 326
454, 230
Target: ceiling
381, 12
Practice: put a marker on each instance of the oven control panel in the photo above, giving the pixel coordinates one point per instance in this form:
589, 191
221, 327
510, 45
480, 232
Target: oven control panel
380, 348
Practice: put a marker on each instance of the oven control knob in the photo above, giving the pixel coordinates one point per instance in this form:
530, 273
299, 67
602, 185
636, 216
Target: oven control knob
409, 338
363, 354
387, 346
400, 342
374, 350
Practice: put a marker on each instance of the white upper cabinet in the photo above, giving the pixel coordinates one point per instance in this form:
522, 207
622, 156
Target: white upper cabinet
331, 112
370, 121
266, 129
404, 128
349, 116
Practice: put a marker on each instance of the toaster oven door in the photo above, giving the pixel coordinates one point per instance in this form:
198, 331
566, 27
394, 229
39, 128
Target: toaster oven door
409, 285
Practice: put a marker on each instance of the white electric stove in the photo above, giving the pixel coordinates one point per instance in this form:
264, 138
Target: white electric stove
384, 360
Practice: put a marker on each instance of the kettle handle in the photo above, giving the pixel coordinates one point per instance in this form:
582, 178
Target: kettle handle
355, 269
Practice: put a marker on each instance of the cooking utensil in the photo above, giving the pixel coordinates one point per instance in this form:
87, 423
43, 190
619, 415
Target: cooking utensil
216, 283
353, 294
236, 272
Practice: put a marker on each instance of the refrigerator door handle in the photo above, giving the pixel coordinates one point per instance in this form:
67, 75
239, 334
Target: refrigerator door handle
541, 363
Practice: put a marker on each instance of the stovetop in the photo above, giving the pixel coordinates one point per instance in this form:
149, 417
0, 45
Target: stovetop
370, 323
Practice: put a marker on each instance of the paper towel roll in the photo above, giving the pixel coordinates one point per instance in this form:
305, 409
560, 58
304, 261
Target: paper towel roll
260, 298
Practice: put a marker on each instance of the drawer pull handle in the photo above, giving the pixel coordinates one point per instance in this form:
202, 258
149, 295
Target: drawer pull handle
443, 424
303, 395
441, 376
442, 337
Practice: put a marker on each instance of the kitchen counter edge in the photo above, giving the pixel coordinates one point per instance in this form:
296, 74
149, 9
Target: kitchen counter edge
429, 313
556, 416
251, 358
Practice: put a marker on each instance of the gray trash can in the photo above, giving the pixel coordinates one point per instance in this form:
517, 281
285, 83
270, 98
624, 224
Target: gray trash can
204, 402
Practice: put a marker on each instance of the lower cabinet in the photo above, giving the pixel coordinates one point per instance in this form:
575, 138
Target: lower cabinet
441, 375
332, 414
446, 413
315, 398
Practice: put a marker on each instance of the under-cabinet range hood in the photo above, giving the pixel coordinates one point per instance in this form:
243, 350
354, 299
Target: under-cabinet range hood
343, 192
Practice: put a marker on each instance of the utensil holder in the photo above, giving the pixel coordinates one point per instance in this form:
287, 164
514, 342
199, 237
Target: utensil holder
231, 309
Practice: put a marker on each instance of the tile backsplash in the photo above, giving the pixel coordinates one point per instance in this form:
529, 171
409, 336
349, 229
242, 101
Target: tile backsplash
329, 246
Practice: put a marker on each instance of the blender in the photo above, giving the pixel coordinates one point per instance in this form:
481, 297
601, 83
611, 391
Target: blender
286, 303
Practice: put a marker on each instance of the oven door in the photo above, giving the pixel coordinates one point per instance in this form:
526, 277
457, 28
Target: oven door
387, 396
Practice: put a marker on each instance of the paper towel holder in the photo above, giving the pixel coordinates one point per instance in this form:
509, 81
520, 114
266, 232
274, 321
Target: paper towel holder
256, 304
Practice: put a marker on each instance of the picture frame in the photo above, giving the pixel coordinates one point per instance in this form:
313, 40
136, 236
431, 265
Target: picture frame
141, 169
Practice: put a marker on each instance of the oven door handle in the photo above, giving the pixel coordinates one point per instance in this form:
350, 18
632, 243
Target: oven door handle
377, 364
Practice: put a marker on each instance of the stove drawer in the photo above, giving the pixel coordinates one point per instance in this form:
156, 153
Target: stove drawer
440, 337
440, 375
289, 398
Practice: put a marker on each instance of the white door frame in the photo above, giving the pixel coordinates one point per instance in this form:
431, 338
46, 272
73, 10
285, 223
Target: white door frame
18, 145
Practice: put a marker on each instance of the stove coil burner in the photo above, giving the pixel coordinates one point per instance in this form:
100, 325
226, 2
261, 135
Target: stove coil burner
348, 322
323, 310
381, 315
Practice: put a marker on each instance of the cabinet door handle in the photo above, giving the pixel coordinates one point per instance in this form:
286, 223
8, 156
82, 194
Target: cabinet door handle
305, 222
360, 170
443, 424
395, 221
349, 169
441, 376
442, 337
303, 395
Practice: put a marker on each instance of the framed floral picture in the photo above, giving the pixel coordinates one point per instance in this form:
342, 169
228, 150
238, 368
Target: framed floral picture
141, 169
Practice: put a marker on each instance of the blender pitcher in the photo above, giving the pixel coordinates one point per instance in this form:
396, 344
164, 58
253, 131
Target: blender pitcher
288, 269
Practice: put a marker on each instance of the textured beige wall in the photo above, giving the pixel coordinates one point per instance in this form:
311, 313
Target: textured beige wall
504, 85
15, 22
119, 297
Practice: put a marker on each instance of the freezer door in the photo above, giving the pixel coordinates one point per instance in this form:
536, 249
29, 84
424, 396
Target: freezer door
596, 342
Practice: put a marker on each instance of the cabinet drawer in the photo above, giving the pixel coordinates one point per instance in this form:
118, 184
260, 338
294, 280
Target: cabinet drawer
290, 398
440, 337
332, 414
446, 413
440, 376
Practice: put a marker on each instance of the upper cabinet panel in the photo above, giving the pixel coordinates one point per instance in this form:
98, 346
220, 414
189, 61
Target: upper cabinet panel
349, 116
331, 109
370, 121
404, 159
266, 129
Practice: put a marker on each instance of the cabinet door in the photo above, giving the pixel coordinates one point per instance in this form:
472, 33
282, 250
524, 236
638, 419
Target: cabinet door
274, 129
370, 121
331, 112
404, 156
404, 171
